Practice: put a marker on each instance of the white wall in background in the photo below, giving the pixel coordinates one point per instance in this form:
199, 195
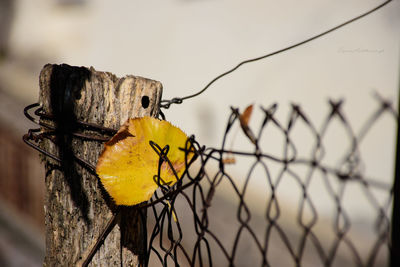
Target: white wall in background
184, 44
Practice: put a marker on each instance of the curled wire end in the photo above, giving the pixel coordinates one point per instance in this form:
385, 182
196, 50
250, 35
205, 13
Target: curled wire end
48, 130
167, 103
32, 139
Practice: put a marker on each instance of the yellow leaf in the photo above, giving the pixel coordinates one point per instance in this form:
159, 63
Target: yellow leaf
128, 163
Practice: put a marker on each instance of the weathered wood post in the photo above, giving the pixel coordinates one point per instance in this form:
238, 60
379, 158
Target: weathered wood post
76, 207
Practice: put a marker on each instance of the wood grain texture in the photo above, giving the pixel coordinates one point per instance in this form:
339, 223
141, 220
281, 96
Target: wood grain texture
76, 206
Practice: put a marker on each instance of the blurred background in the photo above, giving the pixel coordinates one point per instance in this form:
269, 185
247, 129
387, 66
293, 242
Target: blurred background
184, 44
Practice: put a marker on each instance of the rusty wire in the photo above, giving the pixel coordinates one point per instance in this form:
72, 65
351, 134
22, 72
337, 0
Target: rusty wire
179, 100
182, 218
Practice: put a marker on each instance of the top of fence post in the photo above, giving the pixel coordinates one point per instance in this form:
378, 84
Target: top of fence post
76, 206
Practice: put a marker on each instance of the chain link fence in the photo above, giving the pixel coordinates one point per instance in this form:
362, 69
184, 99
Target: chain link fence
289, 194
334, 214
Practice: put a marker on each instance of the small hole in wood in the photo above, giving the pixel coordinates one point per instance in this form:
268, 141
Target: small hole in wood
145, 101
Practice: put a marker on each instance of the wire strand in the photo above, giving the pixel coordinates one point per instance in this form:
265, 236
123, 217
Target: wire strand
178, 100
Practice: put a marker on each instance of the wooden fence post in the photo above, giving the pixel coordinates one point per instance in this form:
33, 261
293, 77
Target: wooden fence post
76, 207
